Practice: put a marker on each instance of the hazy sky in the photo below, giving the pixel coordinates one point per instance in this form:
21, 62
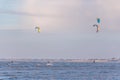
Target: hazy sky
66, 29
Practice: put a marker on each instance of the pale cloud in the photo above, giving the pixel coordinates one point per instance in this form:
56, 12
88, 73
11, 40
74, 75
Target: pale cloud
53, 12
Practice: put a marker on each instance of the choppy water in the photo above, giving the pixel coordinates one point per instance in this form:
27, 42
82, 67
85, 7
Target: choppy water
59, 71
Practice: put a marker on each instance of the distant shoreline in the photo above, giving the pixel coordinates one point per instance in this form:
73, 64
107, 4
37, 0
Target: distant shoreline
64, 60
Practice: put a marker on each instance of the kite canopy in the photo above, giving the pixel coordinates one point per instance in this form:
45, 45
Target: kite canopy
95, 25
98, 20
98, 27
38, 29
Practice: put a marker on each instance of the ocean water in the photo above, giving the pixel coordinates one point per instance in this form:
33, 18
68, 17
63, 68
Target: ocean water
21, 70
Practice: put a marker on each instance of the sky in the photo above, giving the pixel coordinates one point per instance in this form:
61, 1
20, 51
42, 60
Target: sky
67, 30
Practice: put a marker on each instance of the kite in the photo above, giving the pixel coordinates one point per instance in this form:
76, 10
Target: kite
37, 29
97, 25
98, 20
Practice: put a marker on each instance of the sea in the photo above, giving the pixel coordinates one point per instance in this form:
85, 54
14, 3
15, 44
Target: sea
32, 70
